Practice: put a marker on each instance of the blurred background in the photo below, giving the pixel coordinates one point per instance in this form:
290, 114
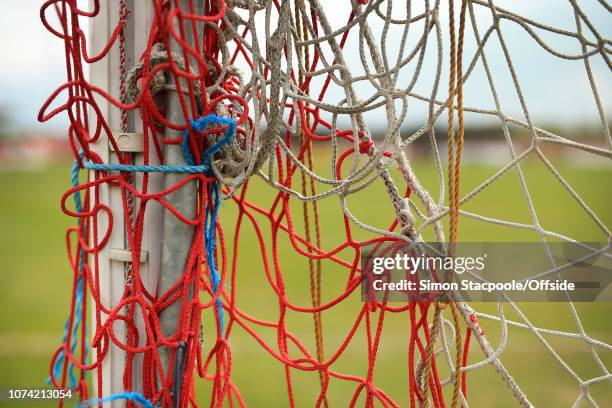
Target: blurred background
34, 172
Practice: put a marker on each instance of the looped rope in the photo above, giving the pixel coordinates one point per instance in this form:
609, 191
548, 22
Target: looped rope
128, 396
199, 125
234, 162
56, 370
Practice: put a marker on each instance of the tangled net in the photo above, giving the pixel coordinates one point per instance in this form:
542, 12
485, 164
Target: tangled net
253, 84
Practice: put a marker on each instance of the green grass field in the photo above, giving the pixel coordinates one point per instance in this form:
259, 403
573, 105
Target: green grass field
36, 283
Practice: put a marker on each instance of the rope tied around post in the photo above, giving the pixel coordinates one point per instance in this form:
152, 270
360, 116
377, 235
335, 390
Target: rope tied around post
206, 166
212, 207
200, 125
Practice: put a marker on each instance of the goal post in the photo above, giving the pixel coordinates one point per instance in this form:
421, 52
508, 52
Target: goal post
114, 258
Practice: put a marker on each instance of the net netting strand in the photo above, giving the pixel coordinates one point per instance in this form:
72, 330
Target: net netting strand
253, 80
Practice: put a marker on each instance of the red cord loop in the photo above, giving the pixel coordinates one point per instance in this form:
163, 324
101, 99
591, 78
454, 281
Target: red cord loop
365, 146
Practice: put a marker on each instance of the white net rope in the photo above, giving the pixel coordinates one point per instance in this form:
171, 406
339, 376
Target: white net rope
394, 51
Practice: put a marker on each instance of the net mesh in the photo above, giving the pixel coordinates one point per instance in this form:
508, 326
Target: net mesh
280, 107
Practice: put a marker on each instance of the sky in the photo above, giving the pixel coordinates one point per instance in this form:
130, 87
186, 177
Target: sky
32, 64
556, 91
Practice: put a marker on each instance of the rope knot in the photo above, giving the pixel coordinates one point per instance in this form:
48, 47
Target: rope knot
201, 124
474, 320
365, 146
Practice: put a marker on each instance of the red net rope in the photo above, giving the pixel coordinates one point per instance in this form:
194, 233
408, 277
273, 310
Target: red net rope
272, 220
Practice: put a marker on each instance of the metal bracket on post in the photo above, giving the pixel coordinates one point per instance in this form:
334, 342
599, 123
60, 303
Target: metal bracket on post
129, 142
123, 255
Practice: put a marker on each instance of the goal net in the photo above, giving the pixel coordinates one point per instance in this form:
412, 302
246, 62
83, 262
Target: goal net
234, 161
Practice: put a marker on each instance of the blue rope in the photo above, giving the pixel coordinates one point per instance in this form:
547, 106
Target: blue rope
59, 362
211, 214
209, 240
132, 396
199, 125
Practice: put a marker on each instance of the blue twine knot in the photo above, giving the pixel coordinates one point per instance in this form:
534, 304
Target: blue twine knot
199, 125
